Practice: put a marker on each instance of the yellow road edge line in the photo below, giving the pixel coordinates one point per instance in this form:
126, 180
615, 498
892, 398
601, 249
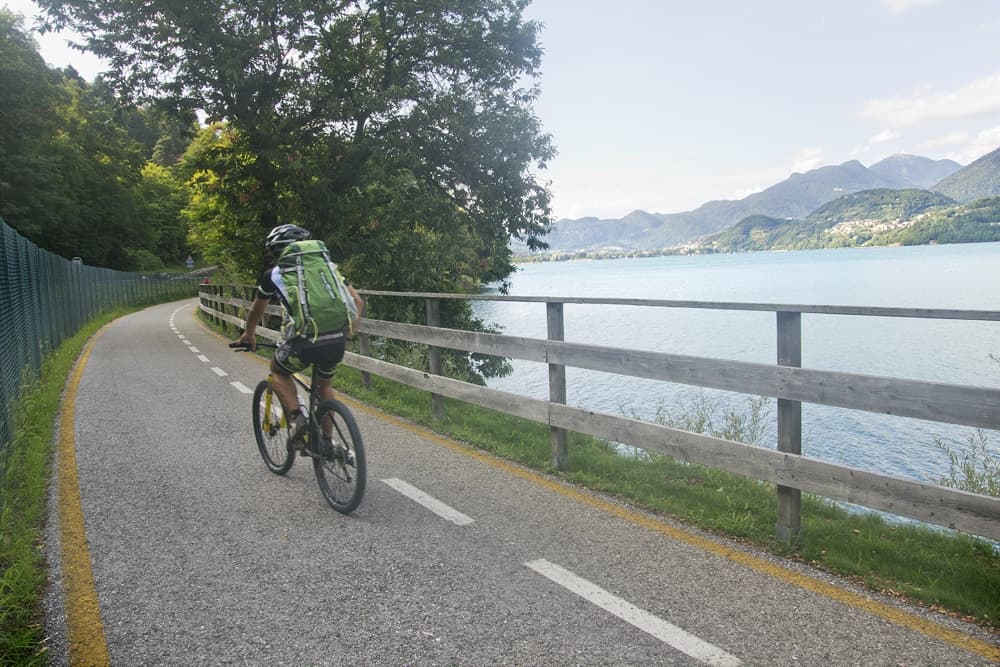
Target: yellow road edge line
86, 641
874, 607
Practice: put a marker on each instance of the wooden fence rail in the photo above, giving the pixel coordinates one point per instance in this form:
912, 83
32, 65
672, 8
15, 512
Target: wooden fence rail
786, 381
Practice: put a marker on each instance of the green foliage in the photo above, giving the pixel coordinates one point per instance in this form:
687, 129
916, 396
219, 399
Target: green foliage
401, 134
30, 177
221, 222
975, 468
71, 165
161, 199
21, 518
381, 99
703, 414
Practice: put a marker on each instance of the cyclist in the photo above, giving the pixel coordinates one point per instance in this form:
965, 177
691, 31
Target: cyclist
296, 354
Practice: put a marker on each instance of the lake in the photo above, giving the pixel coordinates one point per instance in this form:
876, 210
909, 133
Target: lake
963, 276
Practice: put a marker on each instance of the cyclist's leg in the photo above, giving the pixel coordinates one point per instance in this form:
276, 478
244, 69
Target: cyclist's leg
288, 360
284, 387
324, 387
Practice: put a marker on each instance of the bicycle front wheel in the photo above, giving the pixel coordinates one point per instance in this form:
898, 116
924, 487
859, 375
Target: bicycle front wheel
340, 463
271, 429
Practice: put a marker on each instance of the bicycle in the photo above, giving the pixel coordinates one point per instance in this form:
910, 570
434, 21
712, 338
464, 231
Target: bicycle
331, 437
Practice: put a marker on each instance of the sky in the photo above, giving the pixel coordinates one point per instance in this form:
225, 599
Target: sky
663, 105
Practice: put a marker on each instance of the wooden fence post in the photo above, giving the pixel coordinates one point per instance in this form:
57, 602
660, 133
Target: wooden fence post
789, 522
557, 384
364, 349
238, 292
434, 356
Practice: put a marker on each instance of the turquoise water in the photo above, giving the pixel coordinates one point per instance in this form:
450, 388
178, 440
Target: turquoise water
950, 276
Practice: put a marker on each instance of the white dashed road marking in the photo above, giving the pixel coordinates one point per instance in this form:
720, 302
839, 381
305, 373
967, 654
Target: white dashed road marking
670, 634
239, 386
433, 504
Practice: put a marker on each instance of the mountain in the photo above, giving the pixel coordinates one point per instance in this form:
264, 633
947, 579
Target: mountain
976, 181
638, 229
881, 205
800, 194
913, 171
872, 217
794, 198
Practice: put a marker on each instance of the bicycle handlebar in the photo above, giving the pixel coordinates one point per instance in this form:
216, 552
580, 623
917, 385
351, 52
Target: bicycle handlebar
243, 347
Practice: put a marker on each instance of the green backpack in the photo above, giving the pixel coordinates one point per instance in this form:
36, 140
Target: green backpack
318, 299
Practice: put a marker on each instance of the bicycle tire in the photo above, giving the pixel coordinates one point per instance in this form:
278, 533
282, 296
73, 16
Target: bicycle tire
341, 471
271, 430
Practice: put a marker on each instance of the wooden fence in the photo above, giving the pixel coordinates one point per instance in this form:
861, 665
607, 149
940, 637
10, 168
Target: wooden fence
785, 380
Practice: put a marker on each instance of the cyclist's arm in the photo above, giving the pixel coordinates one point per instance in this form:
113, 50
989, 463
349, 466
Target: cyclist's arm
254, 315
359, 302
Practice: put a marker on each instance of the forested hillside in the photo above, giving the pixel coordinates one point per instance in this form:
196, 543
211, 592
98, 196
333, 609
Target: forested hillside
79, 176
875, 217
978, 180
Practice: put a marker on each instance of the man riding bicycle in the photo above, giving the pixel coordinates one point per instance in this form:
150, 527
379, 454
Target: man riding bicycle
296, 352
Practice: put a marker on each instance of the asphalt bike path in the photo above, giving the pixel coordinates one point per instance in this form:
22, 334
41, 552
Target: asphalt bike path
200, 556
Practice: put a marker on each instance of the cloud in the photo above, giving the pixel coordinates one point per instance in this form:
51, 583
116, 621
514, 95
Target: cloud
807, 158
884, 136
945, 140
902, 6
962, 146
986, 141
977, 98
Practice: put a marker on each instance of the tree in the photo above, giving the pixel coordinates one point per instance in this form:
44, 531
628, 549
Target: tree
162, 198
71, 165
29, 166
328, 96
217, 170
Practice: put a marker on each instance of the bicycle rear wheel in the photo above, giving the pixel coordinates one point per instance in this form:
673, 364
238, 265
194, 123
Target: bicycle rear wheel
340, 462
271, 429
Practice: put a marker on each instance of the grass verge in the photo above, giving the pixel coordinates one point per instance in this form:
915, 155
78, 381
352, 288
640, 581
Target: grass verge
24, 510
950, 572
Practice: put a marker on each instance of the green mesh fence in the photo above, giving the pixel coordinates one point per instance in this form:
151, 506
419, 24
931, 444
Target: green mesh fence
45, 299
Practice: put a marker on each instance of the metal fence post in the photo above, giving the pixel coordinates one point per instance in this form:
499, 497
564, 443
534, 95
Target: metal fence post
789, 521
434, 356
557, 384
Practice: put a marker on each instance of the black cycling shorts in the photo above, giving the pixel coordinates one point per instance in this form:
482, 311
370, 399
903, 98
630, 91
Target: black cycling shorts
298, 354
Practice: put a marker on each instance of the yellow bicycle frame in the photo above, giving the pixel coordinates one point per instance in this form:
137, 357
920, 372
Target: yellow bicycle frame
268, 397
